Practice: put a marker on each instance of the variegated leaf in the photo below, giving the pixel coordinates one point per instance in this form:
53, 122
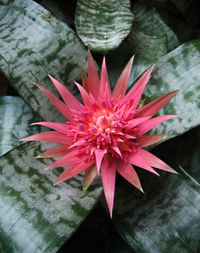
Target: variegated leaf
103, 25
15, 117
34, 44
178, 70
36, 216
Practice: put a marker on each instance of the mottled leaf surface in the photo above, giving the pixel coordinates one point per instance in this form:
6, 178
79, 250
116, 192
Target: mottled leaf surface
15, 120
178, 70
103, 25
36, 216
33, 44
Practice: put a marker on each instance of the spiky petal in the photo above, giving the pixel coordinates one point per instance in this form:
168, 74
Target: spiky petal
105, 134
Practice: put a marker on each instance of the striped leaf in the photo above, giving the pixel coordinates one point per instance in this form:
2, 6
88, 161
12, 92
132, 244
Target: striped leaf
15, 117
36, 216
103, 25
34, 44
178, 69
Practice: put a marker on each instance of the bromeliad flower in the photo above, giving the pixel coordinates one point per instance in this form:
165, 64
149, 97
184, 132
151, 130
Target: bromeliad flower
107, 133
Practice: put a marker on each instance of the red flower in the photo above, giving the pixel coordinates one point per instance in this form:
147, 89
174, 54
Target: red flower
106, 133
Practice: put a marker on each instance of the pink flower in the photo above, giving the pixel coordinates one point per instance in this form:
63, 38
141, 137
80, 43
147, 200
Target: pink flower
107, 133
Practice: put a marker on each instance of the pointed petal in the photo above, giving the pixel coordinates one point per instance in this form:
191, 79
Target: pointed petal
67, 96
155, 161
152, 108
136, 92
49, 136
69, 158
134, 122
99, 154
86, 98
60, 127
149, 124
72, 171
105, 92
90, 174
108, 175
116, 149
57, 151
77, 143
128, 172
138, 160
147, 140
84, 80
93, 79
62, 108
122, 83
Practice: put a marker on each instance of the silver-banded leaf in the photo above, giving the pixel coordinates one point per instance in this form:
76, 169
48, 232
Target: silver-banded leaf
103, 25
36, 216
178, 70
34, 44
15, 120
164, 219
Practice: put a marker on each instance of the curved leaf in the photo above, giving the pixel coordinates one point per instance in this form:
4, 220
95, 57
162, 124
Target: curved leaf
15, 117
36, 216
103, 25
34, 44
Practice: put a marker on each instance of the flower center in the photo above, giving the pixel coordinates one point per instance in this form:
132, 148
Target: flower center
103, 128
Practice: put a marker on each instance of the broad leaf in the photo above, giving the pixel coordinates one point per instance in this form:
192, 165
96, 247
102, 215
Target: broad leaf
36, 216
33, 45
178, 70
103, 25
15, 117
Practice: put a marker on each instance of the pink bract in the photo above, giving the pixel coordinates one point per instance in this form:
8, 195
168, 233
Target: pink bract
107, 133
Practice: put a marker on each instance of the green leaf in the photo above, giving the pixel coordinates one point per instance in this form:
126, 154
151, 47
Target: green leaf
15, 117
164, 219
178, 70
36, 216
149, 39
103, 25
34, 44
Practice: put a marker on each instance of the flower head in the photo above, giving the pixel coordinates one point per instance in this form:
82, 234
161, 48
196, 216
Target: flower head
107, 133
